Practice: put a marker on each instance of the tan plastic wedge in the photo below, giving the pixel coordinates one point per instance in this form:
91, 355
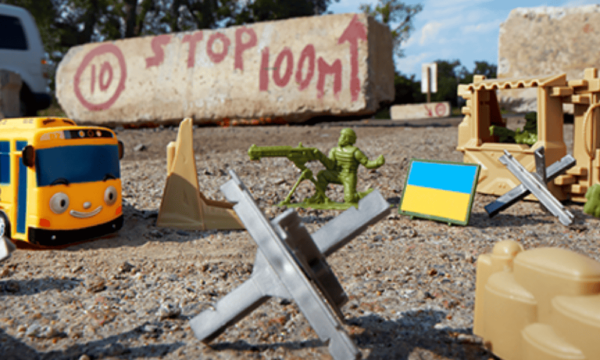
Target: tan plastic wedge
183, 206
538, 304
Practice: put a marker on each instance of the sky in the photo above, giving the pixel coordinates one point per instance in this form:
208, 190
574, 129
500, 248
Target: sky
466, 30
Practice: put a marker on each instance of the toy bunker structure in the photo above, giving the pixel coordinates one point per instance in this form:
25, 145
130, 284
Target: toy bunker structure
482, 111
542, 303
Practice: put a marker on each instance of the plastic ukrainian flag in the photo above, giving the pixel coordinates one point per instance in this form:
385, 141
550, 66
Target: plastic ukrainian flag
440, 190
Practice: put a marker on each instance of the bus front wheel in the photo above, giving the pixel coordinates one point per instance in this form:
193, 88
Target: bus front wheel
4, 225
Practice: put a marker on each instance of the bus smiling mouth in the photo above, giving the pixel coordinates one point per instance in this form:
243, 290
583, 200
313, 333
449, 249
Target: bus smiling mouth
84, 215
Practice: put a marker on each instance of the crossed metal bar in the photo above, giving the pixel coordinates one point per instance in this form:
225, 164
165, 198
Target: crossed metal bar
291, 264
534, 183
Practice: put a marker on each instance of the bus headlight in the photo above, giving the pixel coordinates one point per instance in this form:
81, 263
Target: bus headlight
59, 203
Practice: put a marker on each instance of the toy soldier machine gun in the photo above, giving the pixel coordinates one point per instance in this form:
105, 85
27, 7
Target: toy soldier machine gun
299, 155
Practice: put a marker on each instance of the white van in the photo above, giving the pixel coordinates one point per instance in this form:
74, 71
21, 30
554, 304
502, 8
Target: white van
22, 52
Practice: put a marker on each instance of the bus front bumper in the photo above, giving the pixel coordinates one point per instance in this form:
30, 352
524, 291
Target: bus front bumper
63, 237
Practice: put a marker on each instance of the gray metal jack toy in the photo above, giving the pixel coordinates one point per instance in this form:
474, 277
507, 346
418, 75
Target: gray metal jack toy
290, 264
535, 184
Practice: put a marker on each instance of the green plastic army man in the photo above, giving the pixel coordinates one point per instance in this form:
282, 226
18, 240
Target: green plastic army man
346, 157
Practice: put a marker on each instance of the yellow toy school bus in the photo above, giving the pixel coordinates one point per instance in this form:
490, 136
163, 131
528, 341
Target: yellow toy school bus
59, 183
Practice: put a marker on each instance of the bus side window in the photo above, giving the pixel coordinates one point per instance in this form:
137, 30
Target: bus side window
4, 162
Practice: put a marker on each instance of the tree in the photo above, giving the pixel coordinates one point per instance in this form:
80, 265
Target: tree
397, 16
481, 68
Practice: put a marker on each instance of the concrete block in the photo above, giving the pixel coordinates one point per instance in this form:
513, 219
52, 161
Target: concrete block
10, 86
420, 111
293, 70
546, 41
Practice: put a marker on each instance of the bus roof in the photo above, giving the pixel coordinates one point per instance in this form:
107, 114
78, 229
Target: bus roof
34, 123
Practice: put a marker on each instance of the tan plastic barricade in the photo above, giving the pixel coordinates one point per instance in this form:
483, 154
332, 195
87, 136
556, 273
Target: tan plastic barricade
538, 304
183, 206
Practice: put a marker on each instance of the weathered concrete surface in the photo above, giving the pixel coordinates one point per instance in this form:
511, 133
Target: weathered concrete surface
293, 69
546, 41
10, 86
420, 111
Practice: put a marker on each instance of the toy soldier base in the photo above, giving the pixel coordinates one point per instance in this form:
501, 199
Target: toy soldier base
290, 264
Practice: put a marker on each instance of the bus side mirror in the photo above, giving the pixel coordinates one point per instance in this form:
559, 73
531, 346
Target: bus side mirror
121, 150
28, 156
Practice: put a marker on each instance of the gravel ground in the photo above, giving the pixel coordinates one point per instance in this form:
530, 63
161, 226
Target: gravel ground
411, 283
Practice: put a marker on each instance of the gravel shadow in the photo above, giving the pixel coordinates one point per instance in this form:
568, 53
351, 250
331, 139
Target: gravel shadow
13, 349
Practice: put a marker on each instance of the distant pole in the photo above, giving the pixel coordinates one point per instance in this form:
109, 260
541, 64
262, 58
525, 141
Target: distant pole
428, 85
428, 79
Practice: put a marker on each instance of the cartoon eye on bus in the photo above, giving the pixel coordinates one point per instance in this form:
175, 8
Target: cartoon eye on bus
59, 183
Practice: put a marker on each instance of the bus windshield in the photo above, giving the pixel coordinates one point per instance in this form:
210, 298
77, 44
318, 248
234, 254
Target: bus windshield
77, 164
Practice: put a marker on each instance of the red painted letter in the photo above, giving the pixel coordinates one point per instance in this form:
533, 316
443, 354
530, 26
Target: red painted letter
192, 39
355, 30
104, 68
240, 46
217, 57
263, 83
159, 54
307, 53
289, 68
324, 69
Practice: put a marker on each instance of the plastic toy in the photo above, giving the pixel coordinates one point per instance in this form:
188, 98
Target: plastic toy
482, 111
340, 168
439, 190
290, 264
183, 206
592, 205
59, 182
538, 304
536, 184
543, 174
527, 136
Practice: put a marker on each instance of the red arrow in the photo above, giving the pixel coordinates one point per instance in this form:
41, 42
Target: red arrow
355, 30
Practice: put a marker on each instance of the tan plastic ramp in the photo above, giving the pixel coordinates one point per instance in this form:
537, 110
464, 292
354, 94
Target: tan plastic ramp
183, 206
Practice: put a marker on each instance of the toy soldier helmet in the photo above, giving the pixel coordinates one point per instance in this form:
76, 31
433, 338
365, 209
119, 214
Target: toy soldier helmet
350, 133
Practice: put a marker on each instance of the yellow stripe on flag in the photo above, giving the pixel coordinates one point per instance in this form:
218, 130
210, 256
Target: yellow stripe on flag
434, 202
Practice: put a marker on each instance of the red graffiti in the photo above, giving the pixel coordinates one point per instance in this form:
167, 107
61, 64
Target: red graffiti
159, 53
263, 78
324, 69
93, 80
440, 109
289, 68
217, 57
240, 46
193, 39
355, 31
429, 112
100, 50
105, 68
308, 53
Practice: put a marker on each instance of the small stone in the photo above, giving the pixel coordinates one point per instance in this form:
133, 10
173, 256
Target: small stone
149, 328
33, 330
139, 147
4, 273
48, 332
182, 233
95, 284
84, 357
168, 310
432, 272
125, 267
76, 269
